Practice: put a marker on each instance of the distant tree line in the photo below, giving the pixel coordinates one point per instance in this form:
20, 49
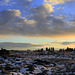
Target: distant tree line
52, 49
4, 52
67, 49
47, 49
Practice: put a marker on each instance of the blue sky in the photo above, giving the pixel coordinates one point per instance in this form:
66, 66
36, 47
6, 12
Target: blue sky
37, 23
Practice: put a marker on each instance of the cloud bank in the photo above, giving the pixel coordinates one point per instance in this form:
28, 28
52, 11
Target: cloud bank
40, 22
64, 43
12, 45
67, 43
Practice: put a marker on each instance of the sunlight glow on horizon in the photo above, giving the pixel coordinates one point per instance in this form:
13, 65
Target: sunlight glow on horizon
37, 24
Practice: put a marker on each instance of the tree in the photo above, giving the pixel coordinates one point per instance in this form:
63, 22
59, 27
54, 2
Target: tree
52, 48
47, 49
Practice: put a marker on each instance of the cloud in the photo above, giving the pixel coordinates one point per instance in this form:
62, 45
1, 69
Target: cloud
72, 22
7, 2
48, 7
44, 8
60, 8
12, 45
6, 19
67, 43
12, 23
22, 3
39, 24
63, 43
2, 2
60, 17
54, 2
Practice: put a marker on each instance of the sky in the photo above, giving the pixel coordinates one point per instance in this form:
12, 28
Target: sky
34, 24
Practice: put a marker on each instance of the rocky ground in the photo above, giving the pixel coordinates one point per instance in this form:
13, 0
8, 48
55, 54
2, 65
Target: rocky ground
38, 63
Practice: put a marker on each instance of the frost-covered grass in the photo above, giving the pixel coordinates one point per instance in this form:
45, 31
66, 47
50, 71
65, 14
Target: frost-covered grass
33, 63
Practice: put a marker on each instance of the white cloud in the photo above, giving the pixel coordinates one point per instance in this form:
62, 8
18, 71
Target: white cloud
54, 2
22, 3
48, 7
7, 2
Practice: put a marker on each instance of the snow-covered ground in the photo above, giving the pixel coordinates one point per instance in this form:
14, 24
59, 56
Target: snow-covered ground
33, 63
